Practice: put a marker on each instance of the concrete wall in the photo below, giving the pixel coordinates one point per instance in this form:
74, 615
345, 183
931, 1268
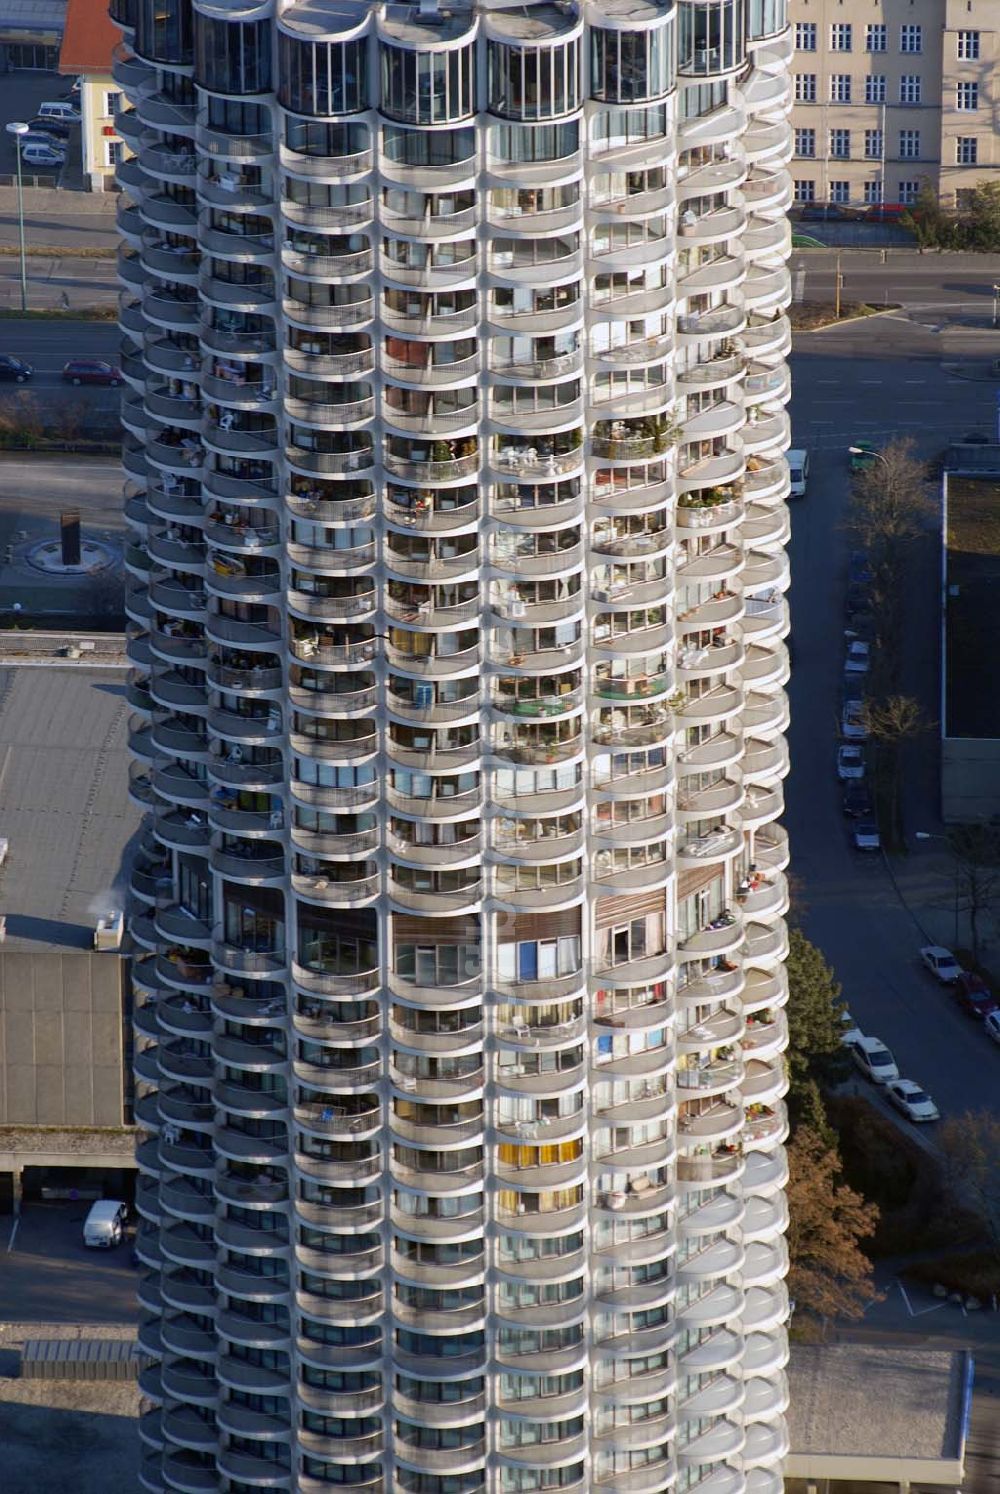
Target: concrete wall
61, 1025
970, 779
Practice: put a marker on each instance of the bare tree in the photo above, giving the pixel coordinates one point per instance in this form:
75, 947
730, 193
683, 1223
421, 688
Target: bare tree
891, 723
890, 503
971, 1147
976, 849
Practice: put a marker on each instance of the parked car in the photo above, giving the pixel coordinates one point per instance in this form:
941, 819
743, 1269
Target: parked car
941, 963
859, 572
14, 369
43, 155
873, 1059
857, 603
850, 763
866, 836
910, 1100
60, 109
853, 723
992, 1024
91, 371
825, 212
858, 656
856, 802
42, 137
56, 129
974, 996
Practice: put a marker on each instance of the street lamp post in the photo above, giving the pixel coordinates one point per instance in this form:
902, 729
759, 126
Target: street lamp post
928, 835
863, 451
17, 128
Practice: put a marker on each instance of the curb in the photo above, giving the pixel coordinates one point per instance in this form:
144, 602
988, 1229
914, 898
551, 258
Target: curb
847, 321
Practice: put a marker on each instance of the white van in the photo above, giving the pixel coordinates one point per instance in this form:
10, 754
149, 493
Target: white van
104, 1226
798, 471
59, 109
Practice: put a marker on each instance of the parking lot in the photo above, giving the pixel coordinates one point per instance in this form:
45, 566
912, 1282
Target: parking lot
22, 93
49, 1276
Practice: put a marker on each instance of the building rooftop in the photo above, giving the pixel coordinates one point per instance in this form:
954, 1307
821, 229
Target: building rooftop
89, 38
34, 16
866, 1402
972, 585
64, 810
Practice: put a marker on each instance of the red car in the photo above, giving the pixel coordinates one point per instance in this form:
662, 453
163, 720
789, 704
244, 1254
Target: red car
974, 995
91, 371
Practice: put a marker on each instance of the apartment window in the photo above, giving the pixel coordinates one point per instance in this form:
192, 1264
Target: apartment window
967, 97
840, 192
967, 150
840, 144
113, 153
908, 193
840, 88
873, 193
805, 36
909, 88
873, 145
840, 36
911, 38
805, 142
805, 88
112, 102
875, 88
875, 38
968, 46
805, 190
909, 145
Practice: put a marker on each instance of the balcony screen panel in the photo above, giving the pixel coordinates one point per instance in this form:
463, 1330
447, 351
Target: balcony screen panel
627, 67
427, 87
232, 57
164, 32
711, 37
534, 82
536, 143
322, 77
440, 148
312, 138
767, 17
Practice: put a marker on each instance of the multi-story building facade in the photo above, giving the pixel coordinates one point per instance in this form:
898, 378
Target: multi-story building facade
888, 98
88, 41
455, 446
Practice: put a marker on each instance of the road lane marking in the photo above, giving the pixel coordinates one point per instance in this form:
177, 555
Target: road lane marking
13, 1234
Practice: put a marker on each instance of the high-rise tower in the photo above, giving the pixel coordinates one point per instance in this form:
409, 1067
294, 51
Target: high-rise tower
455, 438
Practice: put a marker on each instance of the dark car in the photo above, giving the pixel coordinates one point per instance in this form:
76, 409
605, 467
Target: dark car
977, 1000
56, 129
827, 212
859, 572
856, 801
91, 371
14, 369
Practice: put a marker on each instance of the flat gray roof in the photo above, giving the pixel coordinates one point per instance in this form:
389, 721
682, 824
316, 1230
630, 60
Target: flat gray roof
64, 807
862, 1401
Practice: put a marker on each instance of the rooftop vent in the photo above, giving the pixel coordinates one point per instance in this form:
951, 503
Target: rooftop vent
110, 930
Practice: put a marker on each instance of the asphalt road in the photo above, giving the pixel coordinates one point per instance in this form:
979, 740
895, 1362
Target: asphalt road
47, 346
38, 490
874, 379
960, 284
84, 282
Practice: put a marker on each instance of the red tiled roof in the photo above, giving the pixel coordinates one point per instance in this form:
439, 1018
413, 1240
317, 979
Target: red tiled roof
89, 38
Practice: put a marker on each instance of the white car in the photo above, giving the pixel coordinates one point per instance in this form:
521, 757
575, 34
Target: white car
853, 726
850, 763
941, 963
910, 1100
858, 657
42, 155
992, 1024
873, 1059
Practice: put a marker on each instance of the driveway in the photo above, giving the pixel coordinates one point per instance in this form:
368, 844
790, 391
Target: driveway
874, 380
51, 1277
